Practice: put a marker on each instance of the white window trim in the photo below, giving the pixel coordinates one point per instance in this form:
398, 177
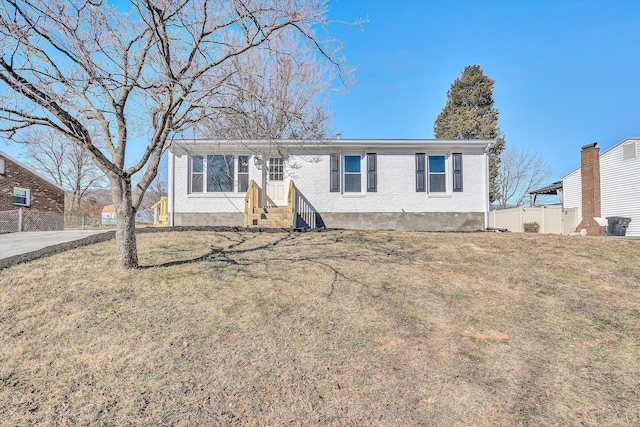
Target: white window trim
28, 196
448, 175
215, 194
363, 174
2, 166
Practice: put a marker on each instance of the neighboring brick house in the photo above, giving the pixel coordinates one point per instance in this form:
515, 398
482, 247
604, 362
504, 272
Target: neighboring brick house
41, 201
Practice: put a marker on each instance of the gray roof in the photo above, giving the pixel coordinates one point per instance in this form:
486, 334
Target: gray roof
549, 189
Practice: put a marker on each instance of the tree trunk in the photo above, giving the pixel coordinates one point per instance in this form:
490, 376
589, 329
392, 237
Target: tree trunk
126, 248
75, 200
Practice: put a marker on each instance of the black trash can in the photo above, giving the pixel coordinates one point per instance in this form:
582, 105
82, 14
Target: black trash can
617, 225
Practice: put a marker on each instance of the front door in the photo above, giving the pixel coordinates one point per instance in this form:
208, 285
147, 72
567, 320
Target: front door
276, 184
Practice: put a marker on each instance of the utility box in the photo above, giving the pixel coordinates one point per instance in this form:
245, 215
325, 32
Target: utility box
617, 225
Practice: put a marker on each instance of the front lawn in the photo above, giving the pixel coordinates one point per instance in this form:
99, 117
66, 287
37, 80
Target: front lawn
333, 328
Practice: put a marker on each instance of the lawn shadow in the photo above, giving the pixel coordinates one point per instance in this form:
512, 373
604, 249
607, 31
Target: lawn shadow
223, 254
232, 255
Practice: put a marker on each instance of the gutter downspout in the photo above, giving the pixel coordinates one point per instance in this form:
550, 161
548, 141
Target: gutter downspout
486, 182
172, 186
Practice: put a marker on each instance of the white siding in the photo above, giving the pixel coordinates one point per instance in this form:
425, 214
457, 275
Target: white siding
572, 192
620, 185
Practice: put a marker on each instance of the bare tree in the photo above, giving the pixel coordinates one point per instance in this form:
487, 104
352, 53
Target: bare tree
68, 165
143, 72
273, 97
158, 187
520, 171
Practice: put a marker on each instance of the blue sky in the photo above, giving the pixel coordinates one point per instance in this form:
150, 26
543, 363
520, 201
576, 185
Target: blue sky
567, 72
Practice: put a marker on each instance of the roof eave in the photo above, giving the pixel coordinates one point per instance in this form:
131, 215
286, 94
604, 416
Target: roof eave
6, 156
332, 143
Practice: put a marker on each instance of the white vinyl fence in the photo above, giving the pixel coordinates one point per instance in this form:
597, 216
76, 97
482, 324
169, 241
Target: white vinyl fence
552, 219
30, 220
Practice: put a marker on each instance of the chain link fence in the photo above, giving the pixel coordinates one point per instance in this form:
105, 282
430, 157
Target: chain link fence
9, 221
30, 220
77, 220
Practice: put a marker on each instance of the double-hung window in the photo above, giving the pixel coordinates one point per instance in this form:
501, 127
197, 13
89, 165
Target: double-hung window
352, 174
219, 173
437, 174
197, 173
21, 196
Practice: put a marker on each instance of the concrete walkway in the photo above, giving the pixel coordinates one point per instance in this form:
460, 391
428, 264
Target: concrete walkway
28, 241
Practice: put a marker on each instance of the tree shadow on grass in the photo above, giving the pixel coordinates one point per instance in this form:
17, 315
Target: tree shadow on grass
232, 255
223, 254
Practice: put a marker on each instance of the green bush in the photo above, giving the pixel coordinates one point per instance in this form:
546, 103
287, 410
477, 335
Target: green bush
531, 227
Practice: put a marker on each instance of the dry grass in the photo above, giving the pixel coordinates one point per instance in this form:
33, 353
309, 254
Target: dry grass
337, 328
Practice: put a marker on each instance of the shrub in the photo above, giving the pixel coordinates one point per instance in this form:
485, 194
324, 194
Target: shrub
531, 227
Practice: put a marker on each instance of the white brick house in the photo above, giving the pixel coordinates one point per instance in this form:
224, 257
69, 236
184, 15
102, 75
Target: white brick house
431, 185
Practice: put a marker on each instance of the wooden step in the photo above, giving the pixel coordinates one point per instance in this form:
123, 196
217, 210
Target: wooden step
270, 210
269, 217
281, 217
270, 223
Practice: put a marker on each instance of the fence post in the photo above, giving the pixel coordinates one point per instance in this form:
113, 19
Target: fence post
19, 220
83, 222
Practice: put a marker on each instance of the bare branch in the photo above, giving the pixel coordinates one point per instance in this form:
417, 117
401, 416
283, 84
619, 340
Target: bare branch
520, 171
120, 83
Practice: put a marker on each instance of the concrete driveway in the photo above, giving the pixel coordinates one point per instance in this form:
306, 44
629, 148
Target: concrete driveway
28, 241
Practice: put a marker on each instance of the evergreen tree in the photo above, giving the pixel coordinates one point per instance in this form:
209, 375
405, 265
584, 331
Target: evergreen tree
469, 114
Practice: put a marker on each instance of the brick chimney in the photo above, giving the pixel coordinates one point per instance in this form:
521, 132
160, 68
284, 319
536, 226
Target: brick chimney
590, 173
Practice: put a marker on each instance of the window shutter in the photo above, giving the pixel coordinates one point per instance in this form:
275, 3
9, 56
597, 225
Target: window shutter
457, 172
420, 173
372, 181
335, 172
